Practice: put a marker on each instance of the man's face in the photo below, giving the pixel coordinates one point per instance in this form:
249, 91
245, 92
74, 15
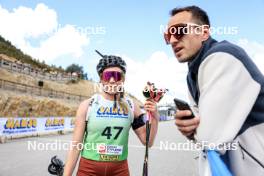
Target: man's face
189, 44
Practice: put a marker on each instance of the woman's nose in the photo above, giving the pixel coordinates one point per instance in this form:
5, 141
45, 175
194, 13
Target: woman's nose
112, 80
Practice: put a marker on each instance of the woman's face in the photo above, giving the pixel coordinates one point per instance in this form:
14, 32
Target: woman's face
112, 79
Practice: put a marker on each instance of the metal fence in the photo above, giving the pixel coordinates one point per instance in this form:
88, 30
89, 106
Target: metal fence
35, 72
39, 91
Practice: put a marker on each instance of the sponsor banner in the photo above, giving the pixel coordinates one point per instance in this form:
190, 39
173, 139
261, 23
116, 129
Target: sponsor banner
166, 118
14, 126
34, 125
109, 157
111, 112
109, 149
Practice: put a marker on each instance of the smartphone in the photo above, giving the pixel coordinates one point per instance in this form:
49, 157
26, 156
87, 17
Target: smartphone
182, 105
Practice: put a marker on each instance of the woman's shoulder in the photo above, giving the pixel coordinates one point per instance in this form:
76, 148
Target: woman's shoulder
135, 107
84, 105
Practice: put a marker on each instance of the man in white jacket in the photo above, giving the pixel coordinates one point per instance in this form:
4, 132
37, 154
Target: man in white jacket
228, 90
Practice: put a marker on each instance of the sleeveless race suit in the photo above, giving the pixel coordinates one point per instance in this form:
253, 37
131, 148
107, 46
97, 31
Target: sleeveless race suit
106, 138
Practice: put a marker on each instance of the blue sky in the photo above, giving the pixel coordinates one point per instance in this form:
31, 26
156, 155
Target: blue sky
132, 28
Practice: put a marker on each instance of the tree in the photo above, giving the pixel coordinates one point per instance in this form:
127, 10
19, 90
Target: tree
85, 76
77, 69
74, 68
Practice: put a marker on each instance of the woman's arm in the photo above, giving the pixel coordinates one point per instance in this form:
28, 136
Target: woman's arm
78, 134
141, 132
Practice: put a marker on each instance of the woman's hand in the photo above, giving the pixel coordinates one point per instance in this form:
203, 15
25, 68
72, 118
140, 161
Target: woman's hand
151, 107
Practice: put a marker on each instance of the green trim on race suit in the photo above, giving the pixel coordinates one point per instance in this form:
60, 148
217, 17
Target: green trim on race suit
107, 132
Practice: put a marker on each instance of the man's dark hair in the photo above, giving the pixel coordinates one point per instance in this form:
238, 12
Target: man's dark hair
198, 14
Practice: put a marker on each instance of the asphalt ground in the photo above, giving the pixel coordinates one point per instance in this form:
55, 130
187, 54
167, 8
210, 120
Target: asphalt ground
31, 156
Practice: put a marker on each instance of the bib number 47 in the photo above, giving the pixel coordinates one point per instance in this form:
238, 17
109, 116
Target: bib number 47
108, 132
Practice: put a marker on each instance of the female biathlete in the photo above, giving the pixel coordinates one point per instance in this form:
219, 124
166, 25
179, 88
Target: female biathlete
103, 122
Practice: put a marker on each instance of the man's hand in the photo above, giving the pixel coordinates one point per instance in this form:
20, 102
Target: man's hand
186, 126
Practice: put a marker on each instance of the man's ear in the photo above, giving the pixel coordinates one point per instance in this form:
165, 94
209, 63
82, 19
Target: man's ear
206, 32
